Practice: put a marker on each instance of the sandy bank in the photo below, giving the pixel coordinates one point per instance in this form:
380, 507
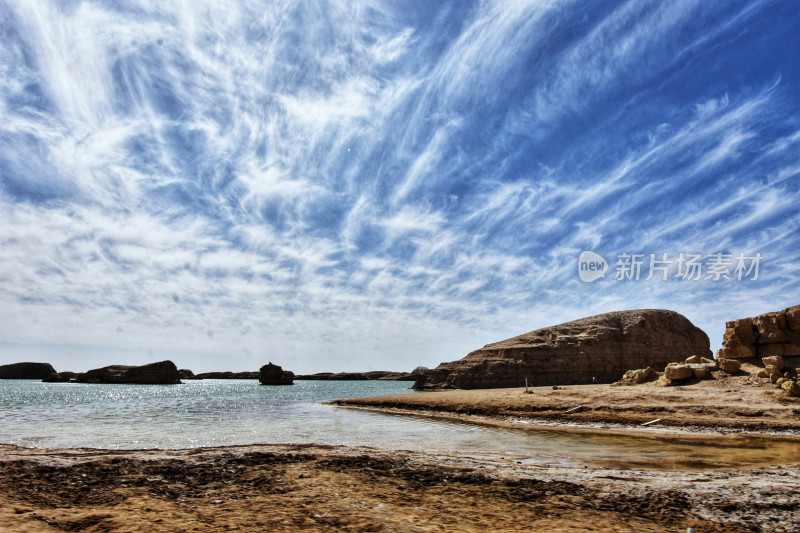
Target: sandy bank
729, 404
313, 488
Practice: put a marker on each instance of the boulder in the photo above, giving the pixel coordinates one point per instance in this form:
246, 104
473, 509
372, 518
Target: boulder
161, 373
26, 371
774, 361
702, 371
594, 349
694, 360
637, 377
791, 389
771, 334
674, 372
731, 366
270, 374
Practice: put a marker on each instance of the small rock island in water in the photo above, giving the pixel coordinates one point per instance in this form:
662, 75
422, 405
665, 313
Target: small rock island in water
270, 374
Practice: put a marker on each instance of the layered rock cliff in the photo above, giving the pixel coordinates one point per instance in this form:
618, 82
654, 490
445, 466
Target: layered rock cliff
766, 335
598, 349
26, 371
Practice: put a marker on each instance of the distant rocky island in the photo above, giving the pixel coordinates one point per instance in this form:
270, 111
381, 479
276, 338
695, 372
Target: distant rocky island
270, 374
165, 372
161, 373
26, 371
359, 376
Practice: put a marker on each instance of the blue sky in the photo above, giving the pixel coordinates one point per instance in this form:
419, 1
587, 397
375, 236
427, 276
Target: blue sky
381, 185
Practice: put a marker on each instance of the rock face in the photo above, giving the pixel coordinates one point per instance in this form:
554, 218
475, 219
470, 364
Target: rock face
274, 375
764, 335
598, 348
162, 373
26, 371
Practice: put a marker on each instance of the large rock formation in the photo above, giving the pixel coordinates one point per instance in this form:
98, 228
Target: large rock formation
274, 375
26, 371
764, 335
598, 349
161, 373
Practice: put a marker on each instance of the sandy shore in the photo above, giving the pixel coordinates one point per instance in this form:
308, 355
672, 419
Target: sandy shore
316, 488
740, 403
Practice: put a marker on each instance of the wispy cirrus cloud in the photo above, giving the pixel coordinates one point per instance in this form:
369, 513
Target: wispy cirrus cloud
364, 185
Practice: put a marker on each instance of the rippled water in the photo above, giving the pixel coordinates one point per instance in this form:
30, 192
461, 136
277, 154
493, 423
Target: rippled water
231, 412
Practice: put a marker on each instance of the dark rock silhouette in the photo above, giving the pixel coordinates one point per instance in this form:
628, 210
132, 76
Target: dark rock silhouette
596, 349
60, 377
26, 371
161, 373
226, 375
270, 374
358, 376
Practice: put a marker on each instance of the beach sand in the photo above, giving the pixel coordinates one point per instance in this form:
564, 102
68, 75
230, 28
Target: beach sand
728, 403
315, 488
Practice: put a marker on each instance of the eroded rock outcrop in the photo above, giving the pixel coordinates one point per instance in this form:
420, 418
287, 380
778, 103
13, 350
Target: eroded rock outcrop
595, 349
161, 373
270, 374
767, 335
26, 371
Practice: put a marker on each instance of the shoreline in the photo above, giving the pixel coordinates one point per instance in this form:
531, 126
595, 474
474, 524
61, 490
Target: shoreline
736, 405
655, 431
734, 477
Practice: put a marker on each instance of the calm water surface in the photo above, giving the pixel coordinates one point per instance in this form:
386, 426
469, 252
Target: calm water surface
231, 412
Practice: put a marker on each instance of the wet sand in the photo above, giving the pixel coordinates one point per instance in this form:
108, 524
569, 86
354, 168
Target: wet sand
316, 488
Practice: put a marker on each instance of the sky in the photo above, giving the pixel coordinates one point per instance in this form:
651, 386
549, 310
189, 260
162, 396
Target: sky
379, 185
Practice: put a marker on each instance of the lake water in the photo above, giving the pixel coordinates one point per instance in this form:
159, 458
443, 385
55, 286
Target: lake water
232, 412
